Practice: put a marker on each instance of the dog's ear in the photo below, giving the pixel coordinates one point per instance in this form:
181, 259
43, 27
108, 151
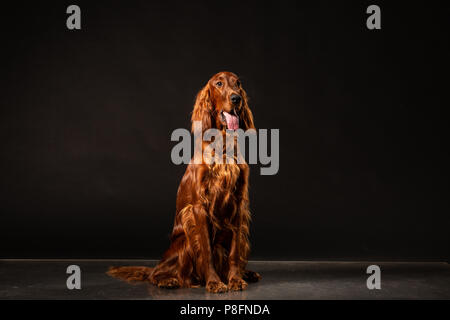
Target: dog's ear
203, 109
245, 114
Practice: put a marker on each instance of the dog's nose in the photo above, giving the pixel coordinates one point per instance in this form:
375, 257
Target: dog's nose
235, 98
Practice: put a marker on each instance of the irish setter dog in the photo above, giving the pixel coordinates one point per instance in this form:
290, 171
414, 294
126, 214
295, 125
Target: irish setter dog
209, 241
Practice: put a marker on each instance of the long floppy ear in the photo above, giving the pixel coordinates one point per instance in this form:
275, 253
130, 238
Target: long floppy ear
203, 109
245, 116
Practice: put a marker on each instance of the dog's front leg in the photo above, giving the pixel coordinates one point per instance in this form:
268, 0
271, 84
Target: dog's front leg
235, 281
199, 240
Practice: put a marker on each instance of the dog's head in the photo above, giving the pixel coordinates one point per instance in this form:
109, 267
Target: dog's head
222, 104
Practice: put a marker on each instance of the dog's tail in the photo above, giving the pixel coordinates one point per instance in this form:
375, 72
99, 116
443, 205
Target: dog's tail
131, 273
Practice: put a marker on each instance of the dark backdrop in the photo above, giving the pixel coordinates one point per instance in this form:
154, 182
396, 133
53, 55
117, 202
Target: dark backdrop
86, 119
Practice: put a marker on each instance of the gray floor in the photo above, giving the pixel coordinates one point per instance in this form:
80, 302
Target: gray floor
46, 279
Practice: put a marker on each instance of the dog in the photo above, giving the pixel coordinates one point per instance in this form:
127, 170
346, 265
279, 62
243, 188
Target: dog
209, 241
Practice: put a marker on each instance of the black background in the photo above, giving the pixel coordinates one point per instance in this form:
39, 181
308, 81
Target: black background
86, 118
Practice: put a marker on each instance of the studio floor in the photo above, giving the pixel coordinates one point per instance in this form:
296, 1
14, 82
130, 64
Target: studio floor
46, 279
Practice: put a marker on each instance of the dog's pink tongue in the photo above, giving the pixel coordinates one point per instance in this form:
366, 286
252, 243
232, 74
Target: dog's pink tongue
232, 121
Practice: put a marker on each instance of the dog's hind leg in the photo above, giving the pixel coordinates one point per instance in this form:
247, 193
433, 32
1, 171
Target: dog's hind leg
251, 276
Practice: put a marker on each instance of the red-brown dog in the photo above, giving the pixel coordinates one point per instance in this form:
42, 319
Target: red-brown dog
209, 241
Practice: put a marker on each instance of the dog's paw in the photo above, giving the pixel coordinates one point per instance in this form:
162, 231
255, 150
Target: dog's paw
251, 276
170, 283
216, 286
237, 284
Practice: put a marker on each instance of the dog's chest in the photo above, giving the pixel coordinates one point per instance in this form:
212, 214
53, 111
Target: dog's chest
223, 186
224, 178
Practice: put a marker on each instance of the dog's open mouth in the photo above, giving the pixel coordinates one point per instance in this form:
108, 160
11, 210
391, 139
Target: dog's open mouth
232, 120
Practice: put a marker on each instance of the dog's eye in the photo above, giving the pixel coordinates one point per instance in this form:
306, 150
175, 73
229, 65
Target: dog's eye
219, 84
